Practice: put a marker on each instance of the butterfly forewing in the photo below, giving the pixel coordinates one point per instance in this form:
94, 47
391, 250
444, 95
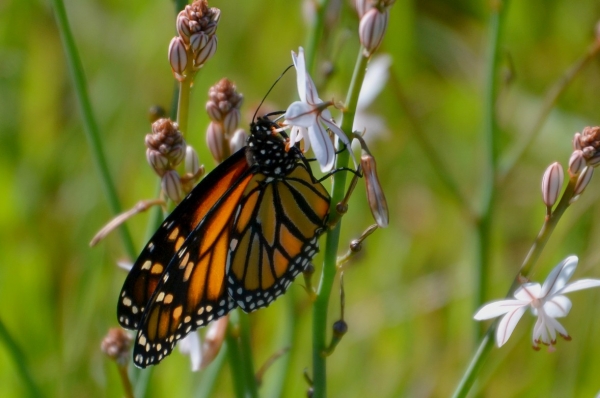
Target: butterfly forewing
192, 290
150, 266
274, 236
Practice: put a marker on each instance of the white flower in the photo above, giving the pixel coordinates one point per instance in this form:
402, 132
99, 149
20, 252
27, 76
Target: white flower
375, 80
310, 118
547, 302
190, 345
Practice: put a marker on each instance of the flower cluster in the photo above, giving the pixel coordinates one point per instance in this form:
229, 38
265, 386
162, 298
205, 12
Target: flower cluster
197, 41
583, 160
546, 301
223, 108
165, 150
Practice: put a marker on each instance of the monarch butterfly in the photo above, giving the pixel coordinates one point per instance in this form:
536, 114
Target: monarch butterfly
238, 239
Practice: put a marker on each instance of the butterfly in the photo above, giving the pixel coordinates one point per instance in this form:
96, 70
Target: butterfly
238, 239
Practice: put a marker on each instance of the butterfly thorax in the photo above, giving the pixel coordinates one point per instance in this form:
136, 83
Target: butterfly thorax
266, 150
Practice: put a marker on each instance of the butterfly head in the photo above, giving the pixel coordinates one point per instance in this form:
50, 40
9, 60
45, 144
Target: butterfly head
267, 149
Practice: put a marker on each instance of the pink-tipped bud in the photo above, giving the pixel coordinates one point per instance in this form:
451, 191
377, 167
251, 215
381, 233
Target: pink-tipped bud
584, 179
214, 113
116, 345
158, 161
375, 195
192, 162
362, 6
372, 29
178, 57
215, 139
552, 183
231, 121
198, 41
238, 140
183, 26
576, 163
577, 141
206, 52
213, 341
171, 186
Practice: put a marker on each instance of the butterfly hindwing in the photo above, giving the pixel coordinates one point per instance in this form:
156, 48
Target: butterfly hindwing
274, 236
148, 269
192, 291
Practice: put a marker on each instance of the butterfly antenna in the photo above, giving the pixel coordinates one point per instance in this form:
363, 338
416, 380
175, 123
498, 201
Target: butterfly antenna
267, 94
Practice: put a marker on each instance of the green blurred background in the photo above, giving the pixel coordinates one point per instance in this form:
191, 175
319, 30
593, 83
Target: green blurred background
409, 294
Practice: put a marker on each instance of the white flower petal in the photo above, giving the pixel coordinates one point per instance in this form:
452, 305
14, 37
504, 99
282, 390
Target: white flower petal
554, 325
300, 73
559, 276
557, 306
528, 292
322, 146
579, 285
374, 81
498, 308
508, 324
300, 114
190, 345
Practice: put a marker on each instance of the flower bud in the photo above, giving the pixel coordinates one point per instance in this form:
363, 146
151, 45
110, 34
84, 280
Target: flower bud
198, 41
238, 140
576, 163
171, 186
213, 341
215, 140
362, 6
552, 182
214, 113
375, 194
159, 163
231, 121
583, 180
183, 27
577, 141
178, 57
192, 162
206, 53
372, 29
116, 345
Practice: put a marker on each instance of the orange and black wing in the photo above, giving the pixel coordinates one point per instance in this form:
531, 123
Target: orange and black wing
274, 236
150, 266
192, 290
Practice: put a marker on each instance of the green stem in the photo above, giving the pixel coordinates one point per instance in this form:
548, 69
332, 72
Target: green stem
90, 125
127, 387
246, 351
490, 136
332, 241
235, 359
487, 341
315, 34
183, 106
20, 361
209, 376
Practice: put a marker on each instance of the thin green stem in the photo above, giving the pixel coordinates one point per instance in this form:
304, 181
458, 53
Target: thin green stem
332, 241
315, 34
183, 106
490, 136
125, 381
430, 151
235, 359
89, 122
507, 165
209, 376
18, 357
246, 351
487, 341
